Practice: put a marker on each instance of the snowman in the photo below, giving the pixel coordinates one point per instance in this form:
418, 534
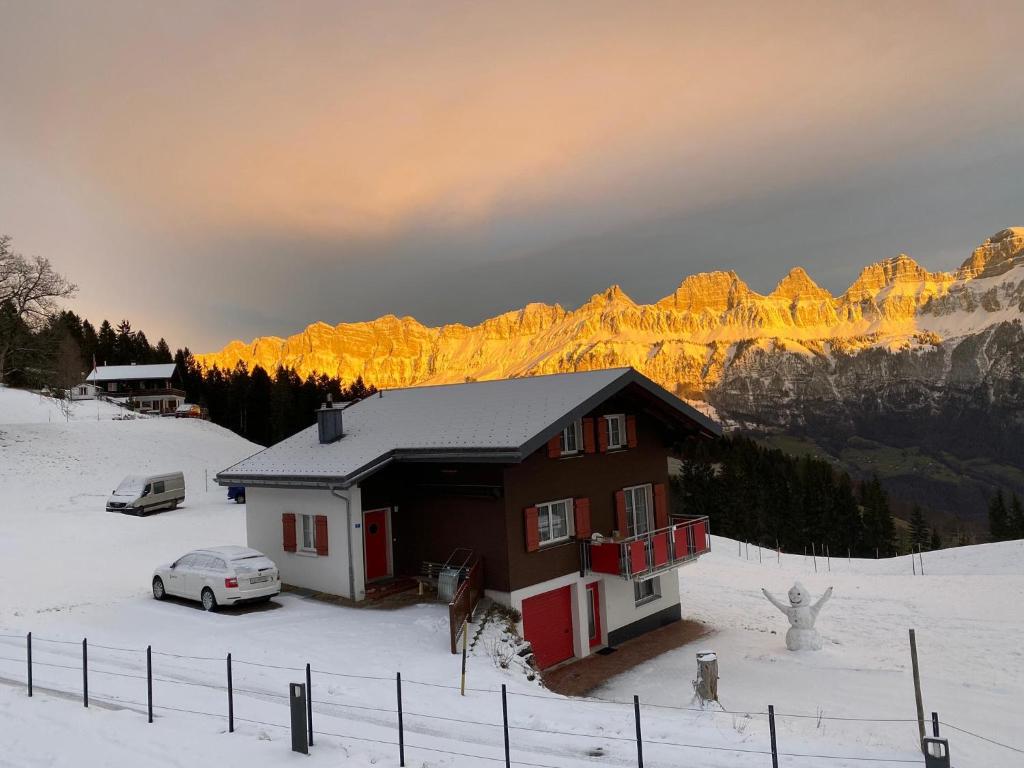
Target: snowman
802, 636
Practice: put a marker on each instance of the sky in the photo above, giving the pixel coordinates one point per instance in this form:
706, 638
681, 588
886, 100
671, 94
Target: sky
219, 170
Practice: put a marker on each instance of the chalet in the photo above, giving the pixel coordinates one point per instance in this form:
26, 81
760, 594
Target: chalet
555, 488
146, 387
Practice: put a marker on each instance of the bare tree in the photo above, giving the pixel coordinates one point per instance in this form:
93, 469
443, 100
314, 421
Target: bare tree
67, 372
30, 289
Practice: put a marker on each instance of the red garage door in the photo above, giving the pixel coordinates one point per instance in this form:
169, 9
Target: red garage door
547, 624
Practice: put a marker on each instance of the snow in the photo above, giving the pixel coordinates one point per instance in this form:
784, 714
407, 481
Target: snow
131, 372
18, 406
73, 570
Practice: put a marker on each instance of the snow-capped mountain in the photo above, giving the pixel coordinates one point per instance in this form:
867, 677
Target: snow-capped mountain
713, 338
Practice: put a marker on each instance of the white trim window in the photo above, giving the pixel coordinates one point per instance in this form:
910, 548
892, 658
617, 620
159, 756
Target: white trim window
571, 441
554, 521
638, 509
616, 430
307, 533
647, 590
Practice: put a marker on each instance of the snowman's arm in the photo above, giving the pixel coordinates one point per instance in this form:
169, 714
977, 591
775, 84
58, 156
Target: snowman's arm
821, 601
781, 606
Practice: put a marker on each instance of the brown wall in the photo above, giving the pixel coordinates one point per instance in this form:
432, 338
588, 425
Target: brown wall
596, 476
442, 507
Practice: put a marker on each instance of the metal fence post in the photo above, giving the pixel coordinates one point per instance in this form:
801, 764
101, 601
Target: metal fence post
149, 682
935, 724
401, 725
309, 703
917, 687
504, 721
771, 730
29, 641
639, 738
231, 700
85, 672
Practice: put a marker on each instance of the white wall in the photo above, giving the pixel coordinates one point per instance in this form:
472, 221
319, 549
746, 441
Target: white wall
618, 607
330, 573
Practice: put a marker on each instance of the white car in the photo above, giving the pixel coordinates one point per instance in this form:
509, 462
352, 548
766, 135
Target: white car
219, 576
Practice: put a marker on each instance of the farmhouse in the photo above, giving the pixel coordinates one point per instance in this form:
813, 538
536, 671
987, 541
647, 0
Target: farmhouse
147, 387
552, 491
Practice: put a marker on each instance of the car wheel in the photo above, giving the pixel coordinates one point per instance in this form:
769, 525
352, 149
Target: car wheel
209, 600
239, 499
159, 592
174, 504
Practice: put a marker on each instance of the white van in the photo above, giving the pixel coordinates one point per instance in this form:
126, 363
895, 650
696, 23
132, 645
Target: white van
142, 494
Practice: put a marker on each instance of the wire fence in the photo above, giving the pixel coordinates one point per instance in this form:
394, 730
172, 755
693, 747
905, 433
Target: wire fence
381, 707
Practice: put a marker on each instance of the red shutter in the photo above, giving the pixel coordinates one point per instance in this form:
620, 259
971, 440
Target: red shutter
288, 525
660, 506
620, 514
581, 517
532, 529
631, 431
555, 447
321, 534
602, 434
588, 435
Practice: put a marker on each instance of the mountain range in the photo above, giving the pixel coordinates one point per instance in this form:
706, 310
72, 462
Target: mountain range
905, 360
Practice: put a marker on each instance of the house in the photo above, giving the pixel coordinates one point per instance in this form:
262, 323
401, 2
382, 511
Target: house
558, 485
146, 387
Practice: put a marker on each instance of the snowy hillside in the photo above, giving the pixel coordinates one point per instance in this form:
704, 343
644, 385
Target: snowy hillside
55, 478
73, 570
18, 406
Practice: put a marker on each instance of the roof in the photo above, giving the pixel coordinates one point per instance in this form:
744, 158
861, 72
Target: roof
504, 421
131, 372
230, 551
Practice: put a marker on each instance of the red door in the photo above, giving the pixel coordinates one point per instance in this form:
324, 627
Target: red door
547, 625
594, 613
377, 543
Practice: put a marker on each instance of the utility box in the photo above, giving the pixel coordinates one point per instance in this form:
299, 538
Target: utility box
297, 699
936, 752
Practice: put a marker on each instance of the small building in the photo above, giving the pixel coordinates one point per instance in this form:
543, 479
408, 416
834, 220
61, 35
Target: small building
555, 487
85, 391
150, 388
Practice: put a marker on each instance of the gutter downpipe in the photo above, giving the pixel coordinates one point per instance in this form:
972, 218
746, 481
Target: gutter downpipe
348, 541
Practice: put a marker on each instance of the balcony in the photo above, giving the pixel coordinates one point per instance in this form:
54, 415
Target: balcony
653, 552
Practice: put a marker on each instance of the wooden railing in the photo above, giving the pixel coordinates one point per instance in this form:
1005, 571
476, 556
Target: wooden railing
648, 553
460, 609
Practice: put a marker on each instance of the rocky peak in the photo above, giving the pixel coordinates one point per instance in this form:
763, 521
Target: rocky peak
714, 291
874, 277
999, 253
798, 285
613, 295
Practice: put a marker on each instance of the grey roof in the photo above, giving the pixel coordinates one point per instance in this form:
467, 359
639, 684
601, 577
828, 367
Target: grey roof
504, 420
131, 372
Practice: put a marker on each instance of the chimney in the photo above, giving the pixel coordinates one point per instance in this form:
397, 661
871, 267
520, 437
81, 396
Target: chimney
328, 422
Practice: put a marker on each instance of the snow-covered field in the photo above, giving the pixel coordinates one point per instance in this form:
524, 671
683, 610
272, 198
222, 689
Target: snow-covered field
72, 570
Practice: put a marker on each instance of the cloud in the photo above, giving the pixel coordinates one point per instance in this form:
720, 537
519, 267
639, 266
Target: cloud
427, 135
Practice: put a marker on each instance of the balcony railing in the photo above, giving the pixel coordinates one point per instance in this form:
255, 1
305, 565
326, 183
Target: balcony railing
649, 553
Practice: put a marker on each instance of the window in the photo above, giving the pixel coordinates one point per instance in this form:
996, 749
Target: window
158, 486
616, 430
647, 590
308, 541
554, 520
570, 440
638, 509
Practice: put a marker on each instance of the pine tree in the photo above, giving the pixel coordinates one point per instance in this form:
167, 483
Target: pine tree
998, 518
162, 353
918, 529
936, 539
1016, 520
106, 340
124, 345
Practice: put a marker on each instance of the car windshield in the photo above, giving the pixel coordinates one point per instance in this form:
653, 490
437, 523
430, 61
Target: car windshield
130, 486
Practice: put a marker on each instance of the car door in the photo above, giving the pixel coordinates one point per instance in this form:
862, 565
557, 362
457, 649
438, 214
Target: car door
176, 576
195, 580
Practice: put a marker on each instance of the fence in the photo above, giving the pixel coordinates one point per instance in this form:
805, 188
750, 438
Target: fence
381, 706
461, 608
